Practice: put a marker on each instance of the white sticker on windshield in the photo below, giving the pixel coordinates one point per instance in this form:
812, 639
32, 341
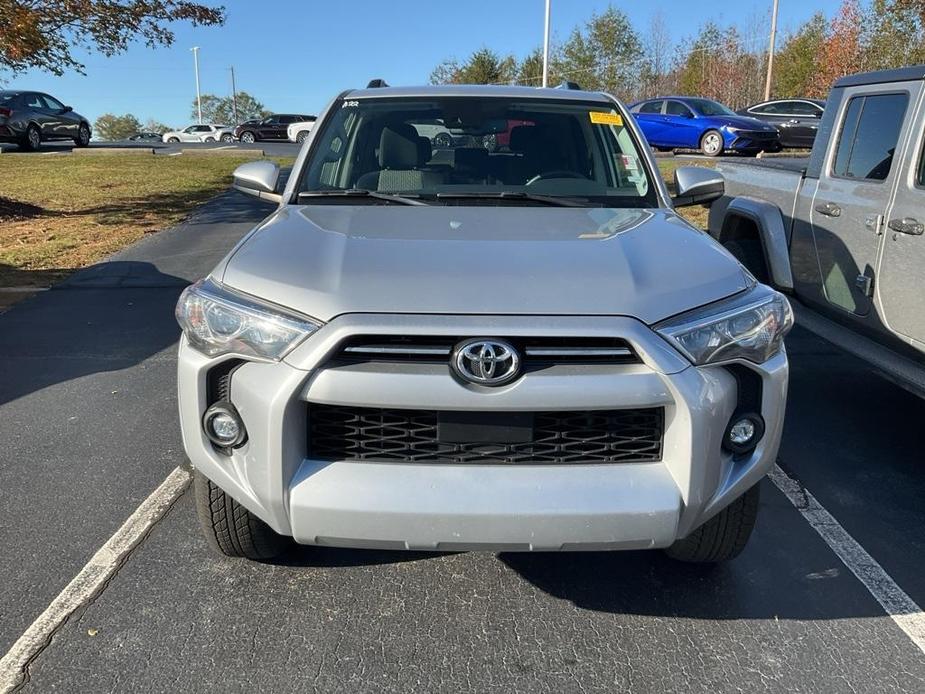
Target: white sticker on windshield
629, 162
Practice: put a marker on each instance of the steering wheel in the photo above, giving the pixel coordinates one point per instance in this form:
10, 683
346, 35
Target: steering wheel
559, 173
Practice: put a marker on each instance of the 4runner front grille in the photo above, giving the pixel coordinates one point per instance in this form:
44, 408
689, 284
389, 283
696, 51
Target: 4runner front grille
552, 438
535, 351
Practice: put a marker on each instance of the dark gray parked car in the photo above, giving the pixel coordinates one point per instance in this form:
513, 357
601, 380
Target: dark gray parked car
797, 120
30, 118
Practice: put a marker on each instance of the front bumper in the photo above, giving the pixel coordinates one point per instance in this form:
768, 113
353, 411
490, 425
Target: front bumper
744, 141
477, 506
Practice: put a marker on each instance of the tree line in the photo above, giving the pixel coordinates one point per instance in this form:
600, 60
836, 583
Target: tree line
723, 62
215, 109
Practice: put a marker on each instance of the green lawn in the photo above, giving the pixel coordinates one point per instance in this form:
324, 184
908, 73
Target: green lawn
63, 212
60, 212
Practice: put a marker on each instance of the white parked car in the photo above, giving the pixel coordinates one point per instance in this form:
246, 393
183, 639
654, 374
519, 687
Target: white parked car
299, 130
222, 133
200, 133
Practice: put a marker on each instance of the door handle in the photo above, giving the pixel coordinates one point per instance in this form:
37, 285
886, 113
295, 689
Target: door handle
907, 225
794, 121
829, 209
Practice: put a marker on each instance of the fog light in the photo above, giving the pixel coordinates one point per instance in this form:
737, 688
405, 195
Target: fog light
743, 433
223, 425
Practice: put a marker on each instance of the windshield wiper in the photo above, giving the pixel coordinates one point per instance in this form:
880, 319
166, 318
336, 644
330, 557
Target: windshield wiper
512, 195
360, 193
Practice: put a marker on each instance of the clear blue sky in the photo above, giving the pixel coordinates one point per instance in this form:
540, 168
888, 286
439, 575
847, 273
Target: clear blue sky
295, 55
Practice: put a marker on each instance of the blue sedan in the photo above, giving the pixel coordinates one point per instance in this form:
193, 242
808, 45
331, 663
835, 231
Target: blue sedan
691, 123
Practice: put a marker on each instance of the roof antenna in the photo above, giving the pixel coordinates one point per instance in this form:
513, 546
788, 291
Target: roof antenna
377, 83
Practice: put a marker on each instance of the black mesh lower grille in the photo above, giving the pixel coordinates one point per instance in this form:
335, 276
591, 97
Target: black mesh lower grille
585, 437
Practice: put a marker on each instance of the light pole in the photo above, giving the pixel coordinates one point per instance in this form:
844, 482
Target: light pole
546, 48
234, 97
195, 50
767, 83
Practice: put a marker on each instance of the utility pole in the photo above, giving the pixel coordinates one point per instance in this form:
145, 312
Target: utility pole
546, 48
195, 50
234, 97
767, 83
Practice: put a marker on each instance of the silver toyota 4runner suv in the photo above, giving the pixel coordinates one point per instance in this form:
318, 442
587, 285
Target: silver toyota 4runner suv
511, 343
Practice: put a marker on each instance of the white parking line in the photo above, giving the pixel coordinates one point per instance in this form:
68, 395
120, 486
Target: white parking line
91, 579
894, 600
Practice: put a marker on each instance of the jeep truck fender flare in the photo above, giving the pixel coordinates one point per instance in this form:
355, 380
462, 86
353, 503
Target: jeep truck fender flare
750, 217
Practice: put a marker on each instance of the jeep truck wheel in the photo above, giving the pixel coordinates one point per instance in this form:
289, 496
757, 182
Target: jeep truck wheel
724, 536
750, 253
230, 528
248, 137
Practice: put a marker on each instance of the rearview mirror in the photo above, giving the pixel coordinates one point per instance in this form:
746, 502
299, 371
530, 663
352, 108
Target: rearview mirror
697, 185
258, 178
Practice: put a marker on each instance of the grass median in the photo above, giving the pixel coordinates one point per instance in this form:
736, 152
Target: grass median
59, 213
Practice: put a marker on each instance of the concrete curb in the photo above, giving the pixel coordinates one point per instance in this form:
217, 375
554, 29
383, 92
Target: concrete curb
112, 150
256, 153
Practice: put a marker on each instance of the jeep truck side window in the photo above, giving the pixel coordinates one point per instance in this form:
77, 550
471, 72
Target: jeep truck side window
869, 133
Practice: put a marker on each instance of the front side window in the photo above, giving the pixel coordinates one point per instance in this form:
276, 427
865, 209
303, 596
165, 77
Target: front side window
651, 107
450, 148
676, 108
53, 104
868, 136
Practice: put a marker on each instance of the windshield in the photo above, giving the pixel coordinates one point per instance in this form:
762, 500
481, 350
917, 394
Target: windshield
478, 150
706, 107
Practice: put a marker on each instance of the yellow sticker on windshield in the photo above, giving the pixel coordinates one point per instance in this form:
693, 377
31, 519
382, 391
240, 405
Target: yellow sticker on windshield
601, 118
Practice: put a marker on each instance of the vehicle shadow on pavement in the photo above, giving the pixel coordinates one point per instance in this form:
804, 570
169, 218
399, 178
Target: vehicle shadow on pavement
107, 317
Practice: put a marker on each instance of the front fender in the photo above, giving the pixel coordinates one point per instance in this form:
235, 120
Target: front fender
768, 222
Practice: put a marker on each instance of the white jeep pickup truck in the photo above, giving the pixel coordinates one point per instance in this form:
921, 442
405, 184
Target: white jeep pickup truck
843, 231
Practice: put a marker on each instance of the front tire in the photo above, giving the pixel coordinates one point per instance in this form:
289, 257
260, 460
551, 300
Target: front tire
712, 143
210, 139
724, 536
173, 140
230, 528
248, 138
83, 136
227, 138
301, 137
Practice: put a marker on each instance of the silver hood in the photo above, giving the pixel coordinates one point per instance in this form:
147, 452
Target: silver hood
327, 260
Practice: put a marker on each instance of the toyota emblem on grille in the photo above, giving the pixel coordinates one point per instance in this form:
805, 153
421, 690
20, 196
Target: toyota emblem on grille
486, 362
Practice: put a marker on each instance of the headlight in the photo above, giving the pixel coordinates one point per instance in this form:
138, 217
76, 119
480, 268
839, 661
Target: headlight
218, 321
748, 326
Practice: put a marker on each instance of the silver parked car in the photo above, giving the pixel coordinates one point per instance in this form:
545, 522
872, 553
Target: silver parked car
457, 349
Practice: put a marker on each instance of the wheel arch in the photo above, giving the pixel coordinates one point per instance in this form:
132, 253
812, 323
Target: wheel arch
749, 218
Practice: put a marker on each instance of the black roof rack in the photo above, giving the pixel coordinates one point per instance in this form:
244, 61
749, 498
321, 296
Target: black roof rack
377, 83
567, 84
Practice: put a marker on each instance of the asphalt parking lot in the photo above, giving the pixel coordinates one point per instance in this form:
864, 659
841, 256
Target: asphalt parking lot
87, 415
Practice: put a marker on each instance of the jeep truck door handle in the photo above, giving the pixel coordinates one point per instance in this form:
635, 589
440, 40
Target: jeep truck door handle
907, 225
829, 209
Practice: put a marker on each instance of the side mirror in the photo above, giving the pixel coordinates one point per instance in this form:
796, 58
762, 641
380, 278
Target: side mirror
697, 185
258, 178
66, 109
